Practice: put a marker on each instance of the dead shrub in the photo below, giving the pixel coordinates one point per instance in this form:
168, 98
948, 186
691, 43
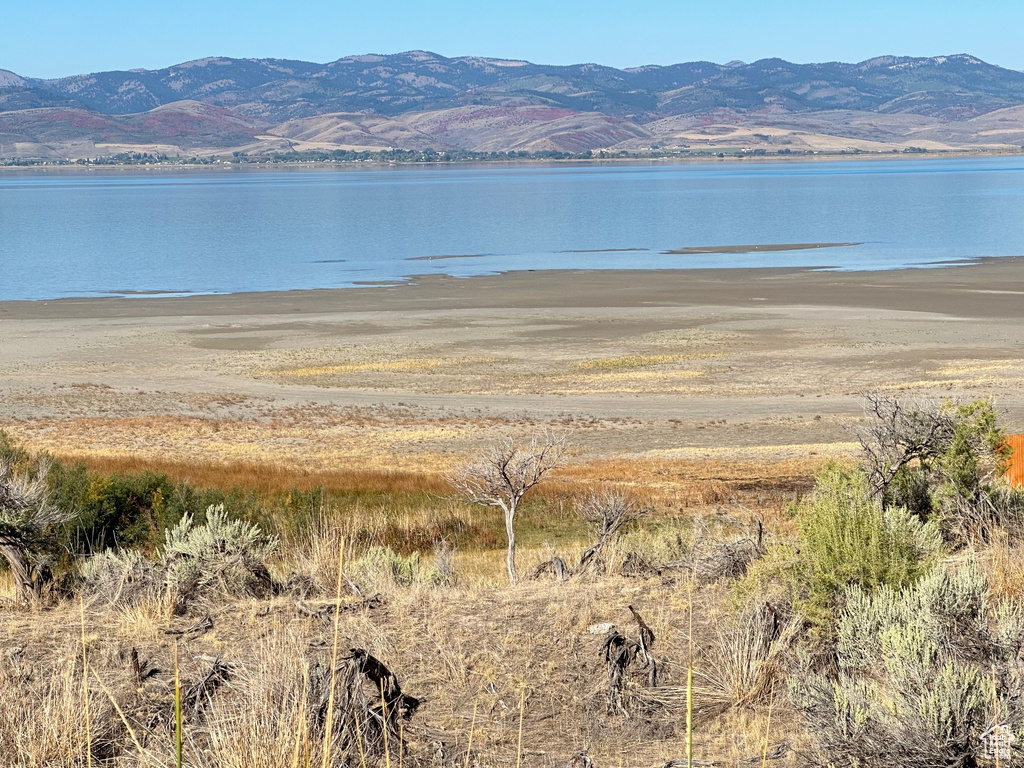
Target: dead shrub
624, 658
709, 558
365, 711
608, 512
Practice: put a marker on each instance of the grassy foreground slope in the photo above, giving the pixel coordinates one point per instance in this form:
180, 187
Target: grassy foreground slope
877, 620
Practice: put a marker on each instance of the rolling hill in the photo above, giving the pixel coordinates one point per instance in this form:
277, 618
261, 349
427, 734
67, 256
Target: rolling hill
420, 100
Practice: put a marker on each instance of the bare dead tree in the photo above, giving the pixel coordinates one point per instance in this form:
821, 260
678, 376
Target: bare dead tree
901, 432
25, 516
504, 474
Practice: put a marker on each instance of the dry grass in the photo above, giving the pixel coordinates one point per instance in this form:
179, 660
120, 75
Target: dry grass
409, 511
468, 649
478, 647
633, 362
671, 483
561, 374
464, 649
278, 458
689, 484
269, 478
1002, 562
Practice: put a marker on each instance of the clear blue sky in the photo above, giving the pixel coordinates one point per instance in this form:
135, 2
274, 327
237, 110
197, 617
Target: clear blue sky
63, 37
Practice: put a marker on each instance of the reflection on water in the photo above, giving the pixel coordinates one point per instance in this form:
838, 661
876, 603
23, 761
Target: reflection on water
126, 231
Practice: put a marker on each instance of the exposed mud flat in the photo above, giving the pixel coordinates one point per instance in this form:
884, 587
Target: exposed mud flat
686, 365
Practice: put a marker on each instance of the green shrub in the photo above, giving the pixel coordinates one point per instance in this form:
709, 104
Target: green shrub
219, 557
909, 488
940, 461
381, 567
848, 537
919, 672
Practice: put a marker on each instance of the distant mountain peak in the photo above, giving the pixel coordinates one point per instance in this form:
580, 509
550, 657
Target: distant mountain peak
11, 80
421, 99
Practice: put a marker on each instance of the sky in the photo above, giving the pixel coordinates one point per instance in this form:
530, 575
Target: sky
65, 37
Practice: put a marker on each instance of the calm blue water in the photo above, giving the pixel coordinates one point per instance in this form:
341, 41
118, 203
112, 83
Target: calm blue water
101, 233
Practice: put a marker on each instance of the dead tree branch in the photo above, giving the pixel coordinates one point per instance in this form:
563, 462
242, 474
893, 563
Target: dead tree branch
901, 432
25, 518
368, 702
620, 653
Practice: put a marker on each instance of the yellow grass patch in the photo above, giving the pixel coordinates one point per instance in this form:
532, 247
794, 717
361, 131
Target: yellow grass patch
625, 382
810, 450
954, 384
964, 368
392, 366
633, 362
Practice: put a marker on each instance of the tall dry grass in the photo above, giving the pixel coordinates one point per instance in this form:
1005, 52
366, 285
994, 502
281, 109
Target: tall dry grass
43, 724
268, 478
1002, 563
473, 652
471, 647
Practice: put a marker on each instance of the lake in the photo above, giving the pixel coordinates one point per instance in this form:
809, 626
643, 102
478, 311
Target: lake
165, 231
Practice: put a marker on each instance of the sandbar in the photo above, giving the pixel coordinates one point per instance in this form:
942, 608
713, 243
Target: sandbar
758, 248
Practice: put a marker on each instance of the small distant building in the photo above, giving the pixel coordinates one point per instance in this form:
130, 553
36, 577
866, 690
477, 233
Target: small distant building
1015, 468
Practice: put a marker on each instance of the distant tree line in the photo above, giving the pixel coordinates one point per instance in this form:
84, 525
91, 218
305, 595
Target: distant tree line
404, 156
417, 156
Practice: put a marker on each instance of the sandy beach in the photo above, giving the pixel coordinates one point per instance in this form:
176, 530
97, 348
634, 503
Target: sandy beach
684, 365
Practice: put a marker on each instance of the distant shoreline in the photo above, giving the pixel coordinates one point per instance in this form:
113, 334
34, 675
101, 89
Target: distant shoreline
347, 165
1006, 266
982, 287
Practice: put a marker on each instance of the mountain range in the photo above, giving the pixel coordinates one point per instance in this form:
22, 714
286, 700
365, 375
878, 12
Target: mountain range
419, 100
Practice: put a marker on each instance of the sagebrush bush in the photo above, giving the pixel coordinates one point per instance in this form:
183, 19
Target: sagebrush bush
849, 537
380, 568
917, 673
119, 577
222, 556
